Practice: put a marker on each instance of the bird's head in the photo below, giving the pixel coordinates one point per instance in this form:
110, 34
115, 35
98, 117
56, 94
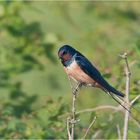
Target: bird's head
66, 52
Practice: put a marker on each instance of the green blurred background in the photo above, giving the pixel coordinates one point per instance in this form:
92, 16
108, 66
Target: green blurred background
35, 94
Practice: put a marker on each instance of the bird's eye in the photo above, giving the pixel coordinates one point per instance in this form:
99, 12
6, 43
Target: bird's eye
64, 52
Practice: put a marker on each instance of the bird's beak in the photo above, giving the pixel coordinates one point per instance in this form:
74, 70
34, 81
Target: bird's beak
60, 57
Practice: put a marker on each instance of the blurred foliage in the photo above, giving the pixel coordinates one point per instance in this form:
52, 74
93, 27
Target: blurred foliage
35, 93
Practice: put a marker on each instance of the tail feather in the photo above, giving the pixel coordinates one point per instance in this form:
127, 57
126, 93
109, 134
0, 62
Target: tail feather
113, 90
109, 88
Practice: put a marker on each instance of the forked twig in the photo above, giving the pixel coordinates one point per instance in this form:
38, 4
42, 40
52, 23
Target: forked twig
73, 120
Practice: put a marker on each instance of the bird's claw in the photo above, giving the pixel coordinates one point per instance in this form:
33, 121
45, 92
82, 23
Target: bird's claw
78, 86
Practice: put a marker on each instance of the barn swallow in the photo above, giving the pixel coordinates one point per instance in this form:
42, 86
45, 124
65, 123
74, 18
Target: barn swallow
80, 69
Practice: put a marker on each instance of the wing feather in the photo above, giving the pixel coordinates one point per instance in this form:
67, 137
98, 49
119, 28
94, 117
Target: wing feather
92, 71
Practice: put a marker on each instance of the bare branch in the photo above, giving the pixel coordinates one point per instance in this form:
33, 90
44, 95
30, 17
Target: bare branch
68, 129
99, 108
127, 113
96, 134
73, 120
119, 132
93, 121
134, 100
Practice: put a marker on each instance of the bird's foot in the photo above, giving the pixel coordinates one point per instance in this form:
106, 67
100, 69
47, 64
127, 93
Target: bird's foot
77, 87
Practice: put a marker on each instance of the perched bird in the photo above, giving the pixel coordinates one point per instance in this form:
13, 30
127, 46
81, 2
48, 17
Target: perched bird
80, 69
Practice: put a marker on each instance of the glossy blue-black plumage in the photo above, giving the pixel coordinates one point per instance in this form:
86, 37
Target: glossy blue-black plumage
87, 67
90, 70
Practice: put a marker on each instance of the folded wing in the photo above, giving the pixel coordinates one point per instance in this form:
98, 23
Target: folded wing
92, 71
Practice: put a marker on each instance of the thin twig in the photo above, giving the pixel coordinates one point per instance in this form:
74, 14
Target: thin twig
73, 120
119, 132
93, 121
134, 100
68, 129
99, 108
96, 134
128, 73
